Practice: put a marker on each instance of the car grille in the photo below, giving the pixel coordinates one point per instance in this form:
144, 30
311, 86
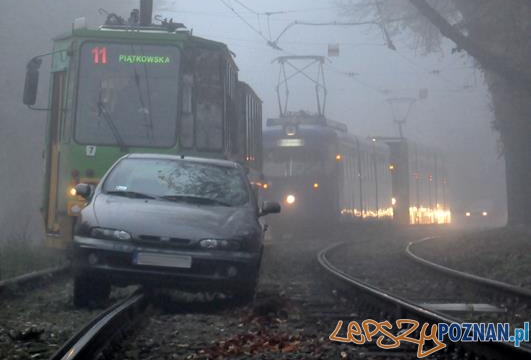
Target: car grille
162, 241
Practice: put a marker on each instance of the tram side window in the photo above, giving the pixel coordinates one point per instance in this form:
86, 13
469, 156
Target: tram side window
247, 126
229, 104
251, 129
209, 101
258, 133
187, 118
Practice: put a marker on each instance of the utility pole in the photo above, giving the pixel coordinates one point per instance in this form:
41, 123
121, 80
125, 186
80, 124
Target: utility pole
146, 12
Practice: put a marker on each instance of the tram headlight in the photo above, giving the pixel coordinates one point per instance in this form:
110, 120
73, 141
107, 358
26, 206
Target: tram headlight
290, 199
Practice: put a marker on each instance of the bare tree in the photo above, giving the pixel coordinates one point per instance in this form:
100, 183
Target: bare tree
496, 34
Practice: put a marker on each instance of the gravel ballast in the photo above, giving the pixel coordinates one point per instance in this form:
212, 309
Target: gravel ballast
500, 254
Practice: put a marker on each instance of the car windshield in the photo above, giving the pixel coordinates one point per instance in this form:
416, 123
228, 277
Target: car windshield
179, 181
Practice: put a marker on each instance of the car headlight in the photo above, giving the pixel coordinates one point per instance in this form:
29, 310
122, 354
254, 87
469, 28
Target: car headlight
109, 234
220, 244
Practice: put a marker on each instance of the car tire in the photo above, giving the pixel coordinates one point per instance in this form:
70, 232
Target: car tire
90, 292
246, 293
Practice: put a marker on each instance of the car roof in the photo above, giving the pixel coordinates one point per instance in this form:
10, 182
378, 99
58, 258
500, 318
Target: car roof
218, 162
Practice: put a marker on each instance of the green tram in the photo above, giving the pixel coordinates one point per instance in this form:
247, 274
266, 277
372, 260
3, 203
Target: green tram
131, 86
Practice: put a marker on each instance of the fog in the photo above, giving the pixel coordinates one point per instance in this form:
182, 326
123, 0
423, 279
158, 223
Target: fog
28, 28
455, 116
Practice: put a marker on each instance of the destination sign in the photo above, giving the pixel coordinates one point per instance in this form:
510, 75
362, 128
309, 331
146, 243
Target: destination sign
141, 59
128, 54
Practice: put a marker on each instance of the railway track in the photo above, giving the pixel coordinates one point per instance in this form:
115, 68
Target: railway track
33, 277
525, 294
37, 314
384, 304
293, 316
98, 337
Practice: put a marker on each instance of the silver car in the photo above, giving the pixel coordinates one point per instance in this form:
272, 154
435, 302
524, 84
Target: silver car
171, 221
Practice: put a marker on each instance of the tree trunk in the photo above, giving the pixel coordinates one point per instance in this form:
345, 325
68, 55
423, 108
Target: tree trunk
501, 46
512, 108
518, 176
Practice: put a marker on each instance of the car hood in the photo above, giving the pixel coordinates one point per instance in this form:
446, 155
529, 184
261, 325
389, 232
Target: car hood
173, 219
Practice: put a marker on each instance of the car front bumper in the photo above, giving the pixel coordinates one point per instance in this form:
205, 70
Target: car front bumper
118, 263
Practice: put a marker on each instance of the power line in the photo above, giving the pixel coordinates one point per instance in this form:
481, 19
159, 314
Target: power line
433, 72
244, 20
354, 77
246, 7
274, 43
296, 11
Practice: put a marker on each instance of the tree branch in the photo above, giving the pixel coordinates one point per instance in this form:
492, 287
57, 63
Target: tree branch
488, 60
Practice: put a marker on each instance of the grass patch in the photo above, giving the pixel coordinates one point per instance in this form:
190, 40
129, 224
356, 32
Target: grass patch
19, 255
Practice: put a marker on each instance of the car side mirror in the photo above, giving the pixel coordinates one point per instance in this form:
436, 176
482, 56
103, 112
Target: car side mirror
31, 84
270, 207
83, 190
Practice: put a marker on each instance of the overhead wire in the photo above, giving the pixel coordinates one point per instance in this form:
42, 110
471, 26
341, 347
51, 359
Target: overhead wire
433, 72
274, 43
257, 31
246, 7
355, 78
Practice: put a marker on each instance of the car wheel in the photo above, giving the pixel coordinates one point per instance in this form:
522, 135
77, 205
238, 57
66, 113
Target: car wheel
245, 294
90, 292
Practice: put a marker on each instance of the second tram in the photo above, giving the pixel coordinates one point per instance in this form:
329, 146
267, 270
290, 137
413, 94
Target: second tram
324, 175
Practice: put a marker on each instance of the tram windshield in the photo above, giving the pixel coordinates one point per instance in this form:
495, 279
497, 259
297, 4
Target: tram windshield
127, 95
289, 162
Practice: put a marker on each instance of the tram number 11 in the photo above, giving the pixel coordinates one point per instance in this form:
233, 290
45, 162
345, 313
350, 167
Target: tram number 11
99, 55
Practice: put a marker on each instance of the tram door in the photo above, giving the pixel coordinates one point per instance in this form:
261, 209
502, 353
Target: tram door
52, 219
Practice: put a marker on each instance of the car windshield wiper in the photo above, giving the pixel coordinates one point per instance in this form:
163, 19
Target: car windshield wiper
102, 111
130, 194
195, 199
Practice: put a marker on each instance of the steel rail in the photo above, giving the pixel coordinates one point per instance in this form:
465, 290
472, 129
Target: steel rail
516, 290
32, 277
92, 340
407, 309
